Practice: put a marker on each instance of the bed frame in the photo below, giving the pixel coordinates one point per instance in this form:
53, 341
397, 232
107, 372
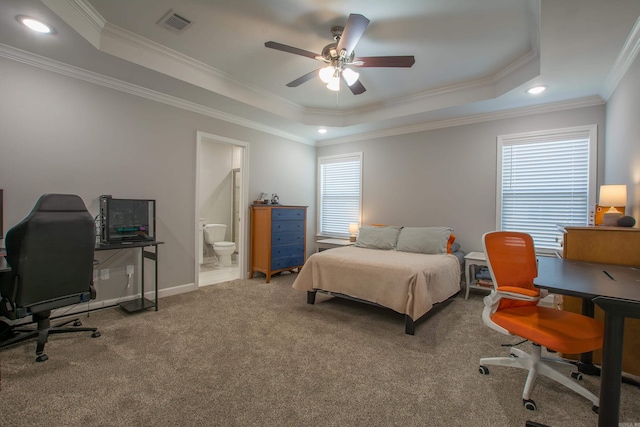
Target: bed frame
409, 323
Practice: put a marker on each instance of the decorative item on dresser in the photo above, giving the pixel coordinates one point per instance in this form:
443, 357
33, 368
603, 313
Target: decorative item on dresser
606, 245
278, 238
613, 196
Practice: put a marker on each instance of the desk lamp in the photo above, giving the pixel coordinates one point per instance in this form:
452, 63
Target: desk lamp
612, 195
353, 229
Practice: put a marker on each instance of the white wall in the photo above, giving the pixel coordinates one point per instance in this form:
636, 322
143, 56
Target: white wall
216, 163
446, 177
65, 135
622, 154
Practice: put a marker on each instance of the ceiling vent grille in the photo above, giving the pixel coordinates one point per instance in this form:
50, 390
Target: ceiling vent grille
174, 22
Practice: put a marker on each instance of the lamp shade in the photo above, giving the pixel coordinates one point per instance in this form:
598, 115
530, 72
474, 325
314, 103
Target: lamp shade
353, 228
613, 195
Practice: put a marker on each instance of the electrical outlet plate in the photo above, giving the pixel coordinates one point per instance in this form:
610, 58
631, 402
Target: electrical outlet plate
129, 269
104, 274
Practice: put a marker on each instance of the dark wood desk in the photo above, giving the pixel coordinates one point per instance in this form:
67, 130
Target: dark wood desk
616, 289
141, 303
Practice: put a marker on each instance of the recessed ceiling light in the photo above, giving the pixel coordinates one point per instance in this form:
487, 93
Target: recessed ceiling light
35, 25
536, 90
322, 130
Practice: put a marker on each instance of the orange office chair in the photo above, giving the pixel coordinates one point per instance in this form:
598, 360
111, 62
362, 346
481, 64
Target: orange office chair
512, 309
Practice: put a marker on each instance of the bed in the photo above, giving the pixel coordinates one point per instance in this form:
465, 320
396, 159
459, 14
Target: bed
408, 270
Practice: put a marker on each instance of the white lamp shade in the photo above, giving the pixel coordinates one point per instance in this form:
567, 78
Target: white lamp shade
334, 84
326, 73
350, 76
353, 228
613, 195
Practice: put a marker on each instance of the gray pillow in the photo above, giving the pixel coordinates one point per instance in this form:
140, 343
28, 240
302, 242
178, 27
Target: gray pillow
371, 237
424, 240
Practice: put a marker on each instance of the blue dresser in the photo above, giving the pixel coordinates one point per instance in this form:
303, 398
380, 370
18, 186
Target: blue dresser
278, 238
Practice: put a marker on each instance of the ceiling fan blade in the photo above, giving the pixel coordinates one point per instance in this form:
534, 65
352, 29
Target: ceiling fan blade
290, 49
357, 88
385, 61
297, 82
353, 30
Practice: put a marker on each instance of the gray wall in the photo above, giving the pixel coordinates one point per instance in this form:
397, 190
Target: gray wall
60, 134
447, 177
622, 154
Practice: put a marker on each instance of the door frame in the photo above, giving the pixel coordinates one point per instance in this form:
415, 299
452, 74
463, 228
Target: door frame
243, 252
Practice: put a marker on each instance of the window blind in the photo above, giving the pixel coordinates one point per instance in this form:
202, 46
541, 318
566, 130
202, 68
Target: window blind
545, 182
340, 193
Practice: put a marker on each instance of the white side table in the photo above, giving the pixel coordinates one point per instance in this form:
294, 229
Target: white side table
325, 244
475, 259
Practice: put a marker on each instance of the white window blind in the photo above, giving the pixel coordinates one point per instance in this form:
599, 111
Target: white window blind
339, 180
546, 180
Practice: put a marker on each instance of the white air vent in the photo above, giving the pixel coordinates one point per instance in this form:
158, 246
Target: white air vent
174, 22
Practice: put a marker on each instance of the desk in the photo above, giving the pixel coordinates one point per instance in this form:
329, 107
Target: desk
616, 289
141, 303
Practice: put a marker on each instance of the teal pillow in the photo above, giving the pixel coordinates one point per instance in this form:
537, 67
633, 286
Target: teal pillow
371, 237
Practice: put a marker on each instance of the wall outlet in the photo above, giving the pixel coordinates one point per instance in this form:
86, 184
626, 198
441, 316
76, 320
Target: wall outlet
104, 274
129, 269
95, 275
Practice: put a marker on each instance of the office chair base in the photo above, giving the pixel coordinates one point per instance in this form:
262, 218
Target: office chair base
42, 334
536, 365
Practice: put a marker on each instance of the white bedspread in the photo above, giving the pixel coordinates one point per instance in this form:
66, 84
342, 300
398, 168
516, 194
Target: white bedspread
408, 283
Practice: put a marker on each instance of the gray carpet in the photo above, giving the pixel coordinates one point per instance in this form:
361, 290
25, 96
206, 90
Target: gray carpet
246, 353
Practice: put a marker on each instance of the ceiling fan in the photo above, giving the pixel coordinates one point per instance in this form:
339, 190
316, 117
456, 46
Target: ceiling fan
340, 56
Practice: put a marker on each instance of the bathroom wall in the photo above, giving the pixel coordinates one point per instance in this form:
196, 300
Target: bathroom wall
216, 164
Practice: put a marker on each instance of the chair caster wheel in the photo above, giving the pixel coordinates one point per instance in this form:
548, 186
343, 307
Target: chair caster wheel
77, 323
96, 334
514, 356
576, 375
529, 404
42, 357
483, 370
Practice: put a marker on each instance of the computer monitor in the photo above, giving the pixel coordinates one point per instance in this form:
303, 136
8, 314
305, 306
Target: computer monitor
127, 220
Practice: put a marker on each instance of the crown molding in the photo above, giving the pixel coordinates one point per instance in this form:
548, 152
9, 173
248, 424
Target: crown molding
466, 120
109, 82
627, 55
128, 46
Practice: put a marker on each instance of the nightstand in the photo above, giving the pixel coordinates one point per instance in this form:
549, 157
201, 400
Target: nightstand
473, 259
325, 244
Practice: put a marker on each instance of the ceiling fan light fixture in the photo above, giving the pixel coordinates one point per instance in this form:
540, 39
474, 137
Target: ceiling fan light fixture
334, 84
326, 73
350, 76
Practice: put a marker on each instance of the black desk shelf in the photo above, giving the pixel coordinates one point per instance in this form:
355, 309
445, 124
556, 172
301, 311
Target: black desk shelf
141, 303
137, 305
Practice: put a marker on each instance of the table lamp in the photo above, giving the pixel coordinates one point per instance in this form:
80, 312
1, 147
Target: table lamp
353, 229
612, 195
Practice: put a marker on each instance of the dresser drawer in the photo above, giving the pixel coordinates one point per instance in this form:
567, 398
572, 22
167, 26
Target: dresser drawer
287, 214
287, 262
287, 226
286, 238
287, 250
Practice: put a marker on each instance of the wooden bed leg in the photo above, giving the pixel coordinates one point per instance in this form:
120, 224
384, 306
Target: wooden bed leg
311, 297
409, 328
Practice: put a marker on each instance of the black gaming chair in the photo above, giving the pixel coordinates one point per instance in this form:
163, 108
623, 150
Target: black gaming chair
51, 258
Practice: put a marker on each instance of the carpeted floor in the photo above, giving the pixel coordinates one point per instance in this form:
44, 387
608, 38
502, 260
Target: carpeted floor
246, 353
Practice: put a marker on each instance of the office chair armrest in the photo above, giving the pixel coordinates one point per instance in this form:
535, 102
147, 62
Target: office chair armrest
522, 294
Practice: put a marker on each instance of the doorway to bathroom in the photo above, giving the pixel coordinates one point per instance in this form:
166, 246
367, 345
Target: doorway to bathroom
221, 209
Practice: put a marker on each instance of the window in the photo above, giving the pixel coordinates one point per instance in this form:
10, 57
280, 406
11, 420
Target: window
340, 193
546, 179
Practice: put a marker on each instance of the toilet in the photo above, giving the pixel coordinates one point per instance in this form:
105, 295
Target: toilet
214, 236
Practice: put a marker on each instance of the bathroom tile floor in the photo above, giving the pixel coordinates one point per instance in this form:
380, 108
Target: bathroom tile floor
210, 273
